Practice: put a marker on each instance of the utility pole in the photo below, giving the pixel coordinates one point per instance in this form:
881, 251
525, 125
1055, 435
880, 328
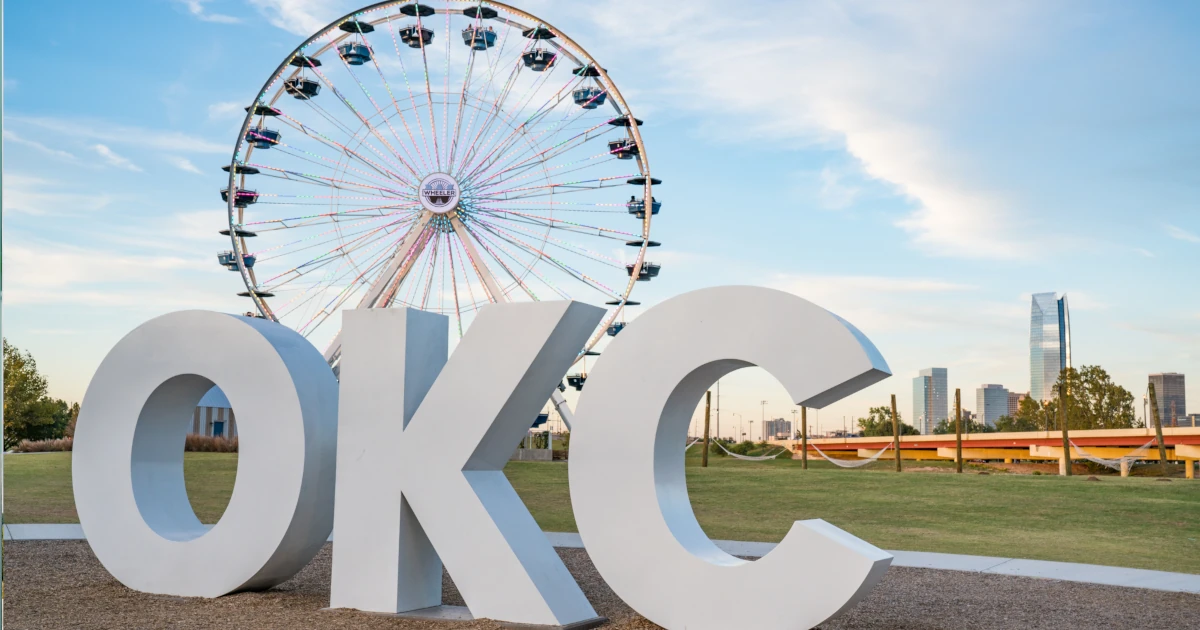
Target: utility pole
718, 409
804, 438
1162, 448
957, 430
1062, 419
896, 433
707, 407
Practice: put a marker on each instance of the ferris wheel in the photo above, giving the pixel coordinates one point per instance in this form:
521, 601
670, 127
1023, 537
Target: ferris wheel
440, 156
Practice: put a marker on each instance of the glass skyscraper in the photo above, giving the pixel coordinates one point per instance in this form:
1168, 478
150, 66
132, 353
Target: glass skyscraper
930, 400
991, 402
1172, 400
1049, 344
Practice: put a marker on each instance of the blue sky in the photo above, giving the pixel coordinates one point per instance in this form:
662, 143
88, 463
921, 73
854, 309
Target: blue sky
918, 168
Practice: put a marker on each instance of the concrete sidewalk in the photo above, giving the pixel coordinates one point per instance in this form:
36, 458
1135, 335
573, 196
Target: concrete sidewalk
1066, 571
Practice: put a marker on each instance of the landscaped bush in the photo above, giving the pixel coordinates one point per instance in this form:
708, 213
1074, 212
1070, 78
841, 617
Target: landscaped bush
209, 444
43, 446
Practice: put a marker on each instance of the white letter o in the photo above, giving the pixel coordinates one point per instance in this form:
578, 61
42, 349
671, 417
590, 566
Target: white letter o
128, 455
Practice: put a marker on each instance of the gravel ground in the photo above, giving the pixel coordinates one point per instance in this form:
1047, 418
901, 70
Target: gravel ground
60, 584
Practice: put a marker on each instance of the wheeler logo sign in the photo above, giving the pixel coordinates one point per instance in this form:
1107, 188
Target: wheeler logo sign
439, 193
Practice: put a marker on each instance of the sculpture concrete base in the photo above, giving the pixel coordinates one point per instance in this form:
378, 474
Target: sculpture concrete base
461, 613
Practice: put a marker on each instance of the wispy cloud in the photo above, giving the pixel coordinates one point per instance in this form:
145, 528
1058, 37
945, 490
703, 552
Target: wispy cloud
226, 109
198, 11
112, 159
1144, 252
1179, 233
111, 134
835, 192
33, 195
183, 164
864, 76
11, 136
302, 17
45, 272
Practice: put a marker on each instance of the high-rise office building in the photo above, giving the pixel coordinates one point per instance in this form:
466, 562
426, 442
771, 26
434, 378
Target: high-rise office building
991, 402
777, 429
1014, 403
1049, 344
929, 399
1172, 403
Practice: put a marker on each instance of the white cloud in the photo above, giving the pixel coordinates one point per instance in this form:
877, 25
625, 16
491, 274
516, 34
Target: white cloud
835, 193
51, 273
302, 17
1144, 252
28, 194
108, 133
866, 76
226, 109
1181, 234
183, 164
115, 160
196, 8
11, 136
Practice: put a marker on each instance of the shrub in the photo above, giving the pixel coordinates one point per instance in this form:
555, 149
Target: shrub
43, 446
209, 444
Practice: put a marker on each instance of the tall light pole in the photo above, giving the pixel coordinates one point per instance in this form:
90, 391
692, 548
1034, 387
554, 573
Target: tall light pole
752, 430
764, 421
795, 427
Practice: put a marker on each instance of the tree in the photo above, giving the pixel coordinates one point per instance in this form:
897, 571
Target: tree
29, 413
970, 426
1009, 424
1032, 415
878, 423
1094, 401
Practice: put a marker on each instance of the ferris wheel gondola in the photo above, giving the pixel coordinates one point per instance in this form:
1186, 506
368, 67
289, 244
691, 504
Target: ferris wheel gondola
440, 156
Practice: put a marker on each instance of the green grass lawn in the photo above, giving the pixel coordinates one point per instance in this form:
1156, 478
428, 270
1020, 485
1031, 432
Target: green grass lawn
1133, 522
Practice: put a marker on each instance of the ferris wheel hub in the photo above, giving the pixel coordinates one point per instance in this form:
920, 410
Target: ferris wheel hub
439, 193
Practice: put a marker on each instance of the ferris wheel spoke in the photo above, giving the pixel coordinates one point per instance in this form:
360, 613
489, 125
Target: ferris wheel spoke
493, 65
566, 225
331, 182
555, 188
428, 154
437, 152
354, 110
337, 255
566, 246
497, 107
333, 218
454, 286
499, 261
340, 235
546, 154
532, 170
345, 150
554, 262
384, 288
500, 149
509, 118
306, 156
339, 275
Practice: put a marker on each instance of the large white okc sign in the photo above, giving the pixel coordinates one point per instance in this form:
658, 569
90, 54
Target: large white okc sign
405, 465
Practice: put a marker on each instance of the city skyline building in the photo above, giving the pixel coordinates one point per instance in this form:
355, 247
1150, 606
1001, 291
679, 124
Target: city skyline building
991, 403
1049, 343
1014, 402
1172, 398
777, 428
930, 399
